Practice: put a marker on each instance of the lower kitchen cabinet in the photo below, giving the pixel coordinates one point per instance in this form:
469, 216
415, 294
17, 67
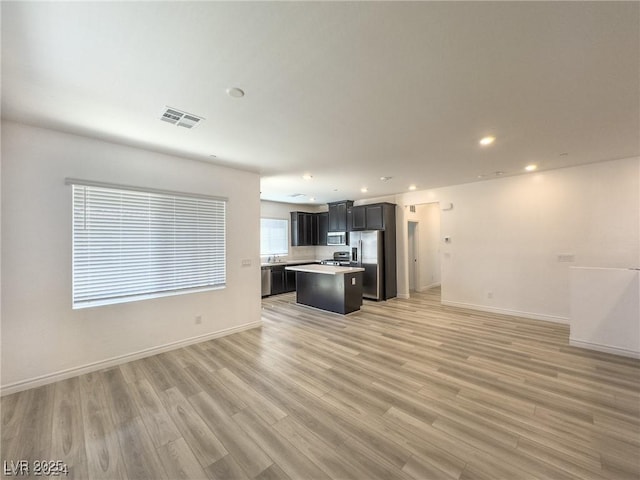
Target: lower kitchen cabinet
282, 281
290, 281
277, 280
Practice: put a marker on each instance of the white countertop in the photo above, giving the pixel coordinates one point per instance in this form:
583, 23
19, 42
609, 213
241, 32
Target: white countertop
326, 269
283, 263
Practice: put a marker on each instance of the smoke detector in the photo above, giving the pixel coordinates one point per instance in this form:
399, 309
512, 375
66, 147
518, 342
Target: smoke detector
179, 118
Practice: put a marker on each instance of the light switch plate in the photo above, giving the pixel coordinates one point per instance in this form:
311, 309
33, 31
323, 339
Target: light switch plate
246, 262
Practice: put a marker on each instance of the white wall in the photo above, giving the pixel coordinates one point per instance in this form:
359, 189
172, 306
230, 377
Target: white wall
506, 235
43, 339
605, 310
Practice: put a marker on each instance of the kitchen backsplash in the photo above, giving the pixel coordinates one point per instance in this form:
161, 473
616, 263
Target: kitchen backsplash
312, 253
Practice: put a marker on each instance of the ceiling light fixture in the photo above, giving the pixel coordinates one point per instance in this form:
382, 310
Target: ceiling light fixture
364, 189
307, 176
531, 168
412, 187
235, 92
487, 141
312, 199
385, 179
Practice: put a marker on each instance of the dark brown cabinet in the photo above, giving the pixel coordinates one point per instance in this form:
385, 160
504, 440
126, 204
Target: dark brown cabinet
376, 216
357, 219
289, 281
309, 229
282, 281
338, 215
277, 280
301, 229
321, 228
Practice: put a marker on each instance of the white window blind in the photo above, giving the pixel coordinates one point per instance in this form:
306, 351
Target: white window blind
274, 236
134, 244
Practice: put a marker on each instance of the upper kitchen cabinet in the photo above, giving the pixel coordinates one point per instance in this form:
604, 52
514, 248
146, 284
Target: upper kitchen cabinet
309, 229
321, 223
377, 216
338, 215
301, 229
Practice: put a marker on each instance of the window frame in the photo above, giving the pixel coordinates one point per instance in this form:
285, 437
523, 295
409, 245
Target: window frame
175, 268
287, 240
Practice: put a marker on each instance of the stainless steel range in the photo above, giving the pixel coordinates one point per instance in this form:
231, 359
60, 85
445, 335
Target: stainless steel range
340, 259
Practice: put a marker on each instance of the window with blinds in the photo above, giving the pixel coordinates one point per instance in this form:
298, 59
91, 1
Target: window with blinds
274, 236
133, 244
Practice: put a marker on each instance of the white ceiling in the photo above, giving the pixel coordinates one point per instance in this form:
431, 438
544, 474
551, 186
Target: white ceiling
348, 92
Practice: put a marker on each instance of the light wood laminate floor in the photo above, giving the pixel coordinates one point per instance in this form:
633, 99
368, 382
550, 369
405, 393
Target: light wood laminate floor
402, 389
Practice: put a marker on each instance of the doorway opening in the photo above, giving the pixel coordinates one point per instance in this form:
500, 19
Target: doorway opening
423, 247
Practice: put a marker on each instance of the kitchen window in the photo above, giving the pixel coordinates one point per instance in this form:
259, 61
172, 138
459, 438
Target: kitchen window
130, 244
274, 236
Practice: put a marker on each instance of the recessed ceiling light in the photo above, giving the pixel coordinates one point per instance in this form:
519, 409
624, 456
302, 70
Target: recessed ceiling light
312, 199
412, 187
498, 173
384, 179
364, 189
487, 141
307, 176
235, 92
531, 168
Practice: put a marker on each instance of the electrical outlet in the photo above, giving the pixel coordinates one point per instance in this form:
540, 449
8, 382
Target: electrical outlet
198, 319
566, 257
489, 294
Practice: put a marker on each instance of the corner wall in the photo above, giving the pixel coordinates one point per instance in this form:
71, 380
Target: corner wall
509, 235
43, 339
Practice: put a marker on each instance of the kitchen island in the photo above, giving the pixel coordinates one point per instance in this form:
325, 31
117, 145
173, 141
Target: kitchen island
328, 287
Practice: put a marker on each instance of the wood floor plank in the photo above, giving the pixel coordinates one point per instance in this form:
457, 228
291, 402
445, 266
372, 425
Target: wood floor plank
67, 435
226, 469
291, 460
155, 417
119, 399
251, 457
206, 447
138, 452
180, 462
405, 388
102, 447
261, 405
32, 441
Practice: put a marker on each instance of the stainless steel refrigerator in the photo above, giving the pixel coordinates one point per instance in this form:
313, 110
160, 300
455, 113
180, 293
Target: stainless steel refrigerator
367, 252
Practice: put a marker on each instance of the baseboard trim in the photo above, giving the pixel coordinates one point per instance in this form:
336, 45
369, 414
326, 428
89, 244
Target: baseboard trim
111, 362
504, 311
604, 348
424, 288
403, 295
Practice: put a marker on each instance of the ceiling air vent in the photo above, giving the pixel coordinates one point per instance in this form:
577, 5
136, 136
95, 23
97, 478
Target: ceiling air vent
179, 118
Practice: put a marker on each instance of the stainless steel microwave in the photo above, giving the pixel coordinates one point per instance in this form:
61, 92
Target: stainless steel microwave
337, 238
